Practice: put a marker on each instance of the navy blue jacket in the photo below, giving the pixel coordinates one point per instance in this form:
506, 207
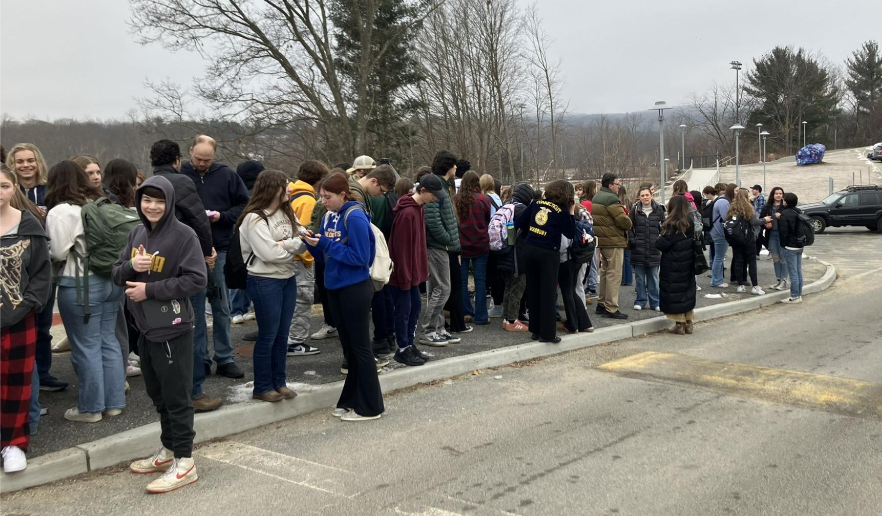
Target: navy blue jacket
544, 222
36, 195
221, 190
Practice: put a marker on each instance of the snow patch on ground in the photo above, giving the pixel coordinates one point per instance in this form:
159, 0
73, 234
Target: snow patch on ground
242, 393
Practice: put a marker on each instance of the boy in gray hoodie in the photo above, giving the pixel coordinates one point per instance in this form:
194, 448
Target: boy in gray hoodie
162, 266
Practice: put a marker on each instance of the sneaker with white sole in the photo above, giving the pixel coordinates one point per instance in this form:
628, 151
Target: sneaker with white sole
792, 300
62, 346
638, 307
302, 350
82, 417
741, 289
14, 459
112, 412
721, 285
757, 291
782, 285
182, 472
450, 338
775, 286
132, 371
249, 316
698, 287
134, 359
355, 416
238, 319
324, 332
339, 412
433, 339
160, 461
516, 326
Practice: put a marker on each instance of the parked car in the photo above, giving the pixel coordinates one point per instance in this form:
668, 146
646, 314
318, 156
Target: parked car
876, 152
854, 206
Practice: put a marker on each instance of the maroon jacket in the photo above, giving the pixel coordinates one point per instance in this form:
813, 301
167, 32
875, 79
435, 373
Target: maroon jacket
407, 245
473, 234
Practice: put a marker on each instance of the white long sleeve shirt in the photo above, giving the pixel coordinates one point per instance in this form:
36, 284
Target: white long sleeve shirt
270, 260
64, 224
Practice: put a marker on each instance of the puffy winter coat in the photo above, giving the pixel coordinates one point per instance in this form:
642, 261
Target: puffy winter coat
611, 223
677, 271
644, 233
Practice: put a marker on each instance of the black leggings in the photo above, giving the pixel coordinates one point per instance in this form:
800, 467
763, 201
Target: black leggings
351, 307
454, 301
542, 268
577, 316
744, 258
495, 280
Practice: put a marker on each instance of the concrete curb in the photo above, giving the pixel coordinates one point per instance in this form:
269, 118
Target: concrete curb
233, 419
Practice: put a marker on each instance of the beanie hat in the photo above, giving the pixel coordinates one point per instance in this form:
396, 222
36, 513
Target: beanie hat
248, 171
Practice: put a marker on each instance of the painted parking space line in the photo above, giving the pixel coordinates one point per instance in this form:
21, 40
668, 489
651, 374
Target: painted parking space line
829, 393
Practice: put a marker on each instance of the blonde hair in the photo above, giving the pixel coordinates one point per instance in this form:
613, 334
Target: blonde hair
487, 185
741, 206
42, 170
202, 138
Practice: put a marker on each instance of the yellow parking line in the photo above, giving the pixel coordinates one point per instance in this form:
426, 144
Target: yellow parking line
841, 395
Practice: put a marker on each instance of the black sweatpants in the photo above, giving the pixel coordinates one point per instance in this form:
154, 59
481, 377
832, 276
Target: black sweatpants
454, 301
167, 368
350, 306
495, 280
323, 292
542, 268
744, 257
577, 316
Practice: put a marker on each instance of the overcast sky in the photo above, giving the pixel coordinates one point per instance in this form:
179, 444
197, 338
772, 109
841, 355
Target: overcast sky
76, 58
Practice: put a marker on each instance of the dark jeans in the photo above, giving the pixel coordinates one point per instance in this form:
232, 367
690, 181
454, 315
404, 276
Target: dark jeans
744, 257
454, 300
383, 314
627, 269
407, 314
495, 280
542, 268
361, 390
274, 302
323, 292
577, 316
479, 311
44, 338
167, 368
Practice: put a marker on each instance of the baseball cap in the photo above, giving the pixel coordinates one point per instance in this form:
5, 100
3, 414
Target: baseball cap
432, 183
362, 163
757, 187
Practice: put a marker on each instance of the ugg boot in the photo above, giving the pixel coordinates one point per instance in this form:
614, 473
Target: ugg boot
688, 327
678, 328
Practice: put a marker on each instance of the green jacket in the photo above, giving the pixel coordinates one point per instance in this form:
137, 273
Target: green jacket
359, 194
442, 230
611, 223
318, 213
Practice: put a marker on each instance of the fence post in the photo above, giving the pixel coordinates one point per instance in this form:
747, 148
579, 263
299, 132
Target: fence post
830, 185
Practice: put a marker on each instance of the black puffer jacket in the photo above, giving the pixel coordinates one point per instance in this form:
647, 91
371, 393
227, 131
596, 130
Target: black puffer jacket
788, 226
677, 272
522, 197
644, 233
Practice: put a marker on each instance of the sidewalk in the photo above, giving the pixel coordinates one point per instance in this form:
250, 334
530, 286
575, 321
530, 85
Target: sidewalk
316, 378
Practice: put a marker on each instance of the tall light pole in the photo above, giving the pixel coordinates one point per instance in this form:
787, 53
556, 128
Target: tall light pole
661, 106
736, 65
803, 132
737, 128
759, 128
764, 135
683, 145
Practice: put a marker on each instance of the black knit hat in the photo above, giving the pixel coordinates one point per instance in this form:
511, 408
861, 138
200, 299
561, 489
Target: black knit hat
462, 166
248, 171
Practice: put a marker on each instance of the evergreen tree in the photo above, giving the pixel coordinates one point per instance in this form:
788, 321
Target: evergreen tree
864, 81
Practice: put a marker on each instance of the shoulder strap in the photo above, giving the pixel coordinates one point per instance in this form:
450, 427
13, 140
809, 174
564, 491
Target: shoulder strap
356, 206
297, 196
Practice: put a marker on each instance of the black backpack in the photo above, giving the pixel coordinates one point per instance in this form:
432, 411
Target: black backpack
805, 232
707, 216
584, 243
236, 268
737, 231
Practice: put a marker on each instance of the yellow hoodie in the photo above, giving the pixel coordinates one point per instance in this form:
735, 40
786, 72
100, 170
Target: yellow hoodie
303, 206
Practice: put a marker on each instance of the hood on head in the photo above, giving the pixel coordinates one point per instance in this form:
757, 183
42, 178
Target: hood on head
165, 186
248, 171
523, 193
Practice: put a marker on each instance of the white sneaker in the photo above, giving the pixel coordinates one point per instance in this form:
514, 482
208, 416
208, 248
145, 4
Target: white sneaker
180, 473
132, 371
238, 319
209, 322
354, 416
249, 316
757, 291
339, 412
782, 285
82, 417
697, 287
160, 461
112, 412
324, 332
775, 286
134, 359
638, 307
657, 309
62, 346
721, 285
792, 300
741, 288
14, 459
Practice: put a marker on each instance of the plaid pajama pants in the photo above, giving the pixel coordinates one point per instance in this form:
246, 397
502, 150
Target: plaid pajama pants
19, 344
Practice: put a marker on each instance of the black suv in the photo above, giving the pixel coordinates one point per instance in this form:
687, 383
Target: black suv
854, 206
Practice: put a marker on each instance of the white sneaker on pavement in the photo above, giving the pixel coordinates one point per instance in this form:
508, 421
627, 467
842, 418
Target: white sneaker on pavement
180, 473
160, 461
249, 316
792, 300
757, 291
14, 459
82, 417
238, 319
741, 288
132, 371
638, 307
782, 285
62, 346
324, 332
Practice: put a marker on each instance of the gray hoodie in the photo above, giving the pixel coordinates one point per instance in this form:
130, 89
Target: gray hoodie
25, 268
178, 270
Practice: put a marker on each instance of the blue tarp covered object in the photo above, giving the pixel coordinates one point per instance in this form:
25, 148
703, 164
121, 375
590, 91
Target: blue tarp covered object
810, 154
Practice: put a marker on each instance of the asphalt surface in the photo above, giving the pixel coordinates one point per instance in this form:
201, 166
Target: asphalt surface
56, 433
570, 435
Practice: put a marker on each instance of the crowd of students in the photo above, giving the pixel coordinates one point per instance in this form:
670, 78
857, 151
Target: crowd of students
141, 270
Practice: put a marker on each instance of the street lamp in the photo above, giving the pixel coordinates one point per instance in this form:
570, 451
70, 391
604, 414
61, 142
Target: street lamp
759, 127
764, 135
736, 65
803, 132
683, 145
661, 106
737, 128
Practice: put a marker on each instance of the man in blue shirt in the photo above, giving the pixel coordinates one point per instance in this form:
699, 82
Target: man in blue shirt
759, 203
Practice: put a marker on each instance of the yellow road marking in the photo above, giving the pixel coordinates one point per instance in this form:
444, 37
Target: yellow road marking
842, 395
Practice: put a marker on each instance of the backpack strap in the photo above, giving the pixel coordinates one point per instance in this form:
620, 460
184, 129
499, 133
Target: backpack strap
346, 213
297, 196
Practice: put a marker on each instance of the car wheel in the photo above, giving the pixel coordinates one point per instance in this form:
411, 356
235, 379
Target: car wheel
879, 225
819, 225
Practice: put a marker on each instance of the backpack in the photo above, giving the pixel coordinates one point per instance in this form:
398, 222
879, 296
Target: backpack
498, 228
236, 267
737, 231
707, 216
106, 226
805, 232
582, 250
492, 202
381, 263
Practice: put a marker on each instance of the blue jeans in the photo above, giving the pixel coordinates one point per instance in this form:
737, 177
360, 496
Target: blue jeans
720, 249
407, 314
647, 283
479, 312
627, 269
777, 257
274, 302
34, 410
94, 350
383, 313
44, 338
239, 302
794, 267
220, 310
